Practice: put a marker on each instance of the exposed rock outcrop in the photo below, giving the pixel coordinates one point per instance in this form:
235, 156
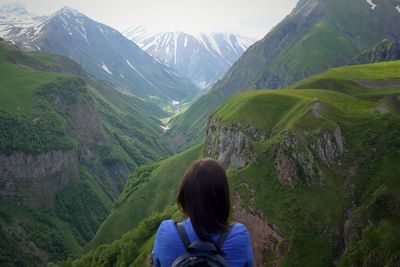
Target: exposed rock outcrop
71, 99
389, 104
386, 50
329, 146
33, 180
264, 235
379, 84
296, 161
231, 144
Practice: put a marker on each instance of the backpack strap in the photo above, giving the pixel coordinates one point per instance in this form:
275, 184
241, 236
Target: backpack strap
186, 242
183, 235
223, 237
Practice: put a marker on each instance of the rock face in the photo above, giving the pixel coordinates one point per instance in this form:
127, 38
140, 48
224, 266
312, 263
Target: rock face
329, 146
79, 108
296, 161
386, 50
264, 235
33, 180
231, 144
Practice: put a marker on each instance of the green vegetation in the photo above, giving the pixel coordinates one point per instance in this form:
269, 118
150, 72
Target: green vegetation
345, 79
353, 200
19, 87
133, 249
48, 59
25, 232
43, 109
150, 189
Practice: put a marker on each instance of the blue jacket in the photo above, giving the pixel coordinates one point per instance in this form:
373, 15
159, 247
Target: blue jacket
168, 245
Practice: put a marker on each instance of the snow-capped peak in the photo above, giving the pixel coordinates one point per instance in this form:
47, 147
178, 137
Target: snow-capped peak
209, 54
14, 17
68, 11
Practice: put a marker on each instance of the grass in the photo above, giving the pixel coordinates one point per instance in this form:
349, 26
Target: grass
321, 47
37, 116
41, 227
48, 59
312, 215
150, 189
342, 78
19, 87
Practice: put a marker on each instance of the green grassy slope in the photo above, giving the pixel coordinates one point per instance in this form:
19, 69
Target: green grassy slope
313, 217
132, 249
345, 79
347, 214
115, 132
150, 189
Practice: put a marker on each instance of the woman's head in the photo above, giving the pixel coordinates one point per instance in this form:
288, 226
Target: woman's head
204, 197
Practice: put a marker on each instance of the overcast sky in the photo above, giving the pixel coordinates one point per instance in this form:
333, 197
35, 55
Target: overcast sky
249, 17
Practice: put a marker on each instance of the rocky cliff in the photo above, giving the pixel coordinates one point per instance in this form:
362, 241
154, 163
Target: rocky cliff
33, 180
231, 144
300, 159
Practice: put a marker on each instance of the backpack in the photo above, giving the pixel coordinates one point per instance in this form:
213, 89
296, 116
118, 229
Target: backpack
200, 253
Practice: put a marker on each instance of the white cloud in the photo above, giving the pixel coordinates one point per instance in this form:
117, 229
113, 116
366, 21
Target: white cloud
250, 17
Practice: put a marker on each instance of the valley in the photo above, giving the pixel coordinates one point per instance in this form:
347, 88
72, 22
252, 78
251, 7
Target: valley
97, 128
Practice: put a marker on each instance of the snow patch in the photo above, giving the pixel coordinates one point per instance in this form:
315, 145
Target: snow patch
141, 75
165, 128
175, 45
130, 65
373, 6
398, 8
105, 68
175, 102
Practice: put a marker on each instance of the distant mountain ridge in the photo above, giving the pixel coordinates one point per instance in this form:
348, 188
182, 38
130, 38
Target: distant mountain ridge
203, 58
315, 36
104, 53
14, 17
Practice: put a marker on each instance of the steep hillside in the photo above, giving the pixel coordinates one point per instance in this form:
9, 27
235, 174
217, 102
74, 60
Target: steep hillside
317, 35
315, 171
67, 145
203, 58
386, 50
314, 174
364, 81
151, 188
106, 54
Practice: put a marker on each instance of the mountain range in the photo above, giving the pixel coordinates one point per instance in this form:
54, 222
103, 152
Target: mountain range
87, 170
103, 52
315, 36
203, 58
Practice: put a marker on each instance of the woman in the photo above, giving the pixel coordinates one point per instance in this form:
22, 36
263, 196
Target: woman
204, 197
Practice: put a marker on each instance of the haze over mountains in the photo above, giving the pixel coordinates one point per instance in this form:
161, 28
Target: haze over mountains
103, 52
87, 163
203, 58
315, 36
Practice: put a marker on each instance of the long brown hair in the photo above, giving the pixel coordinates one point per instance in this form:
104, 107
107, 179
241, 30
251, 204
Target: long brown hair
204, 197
